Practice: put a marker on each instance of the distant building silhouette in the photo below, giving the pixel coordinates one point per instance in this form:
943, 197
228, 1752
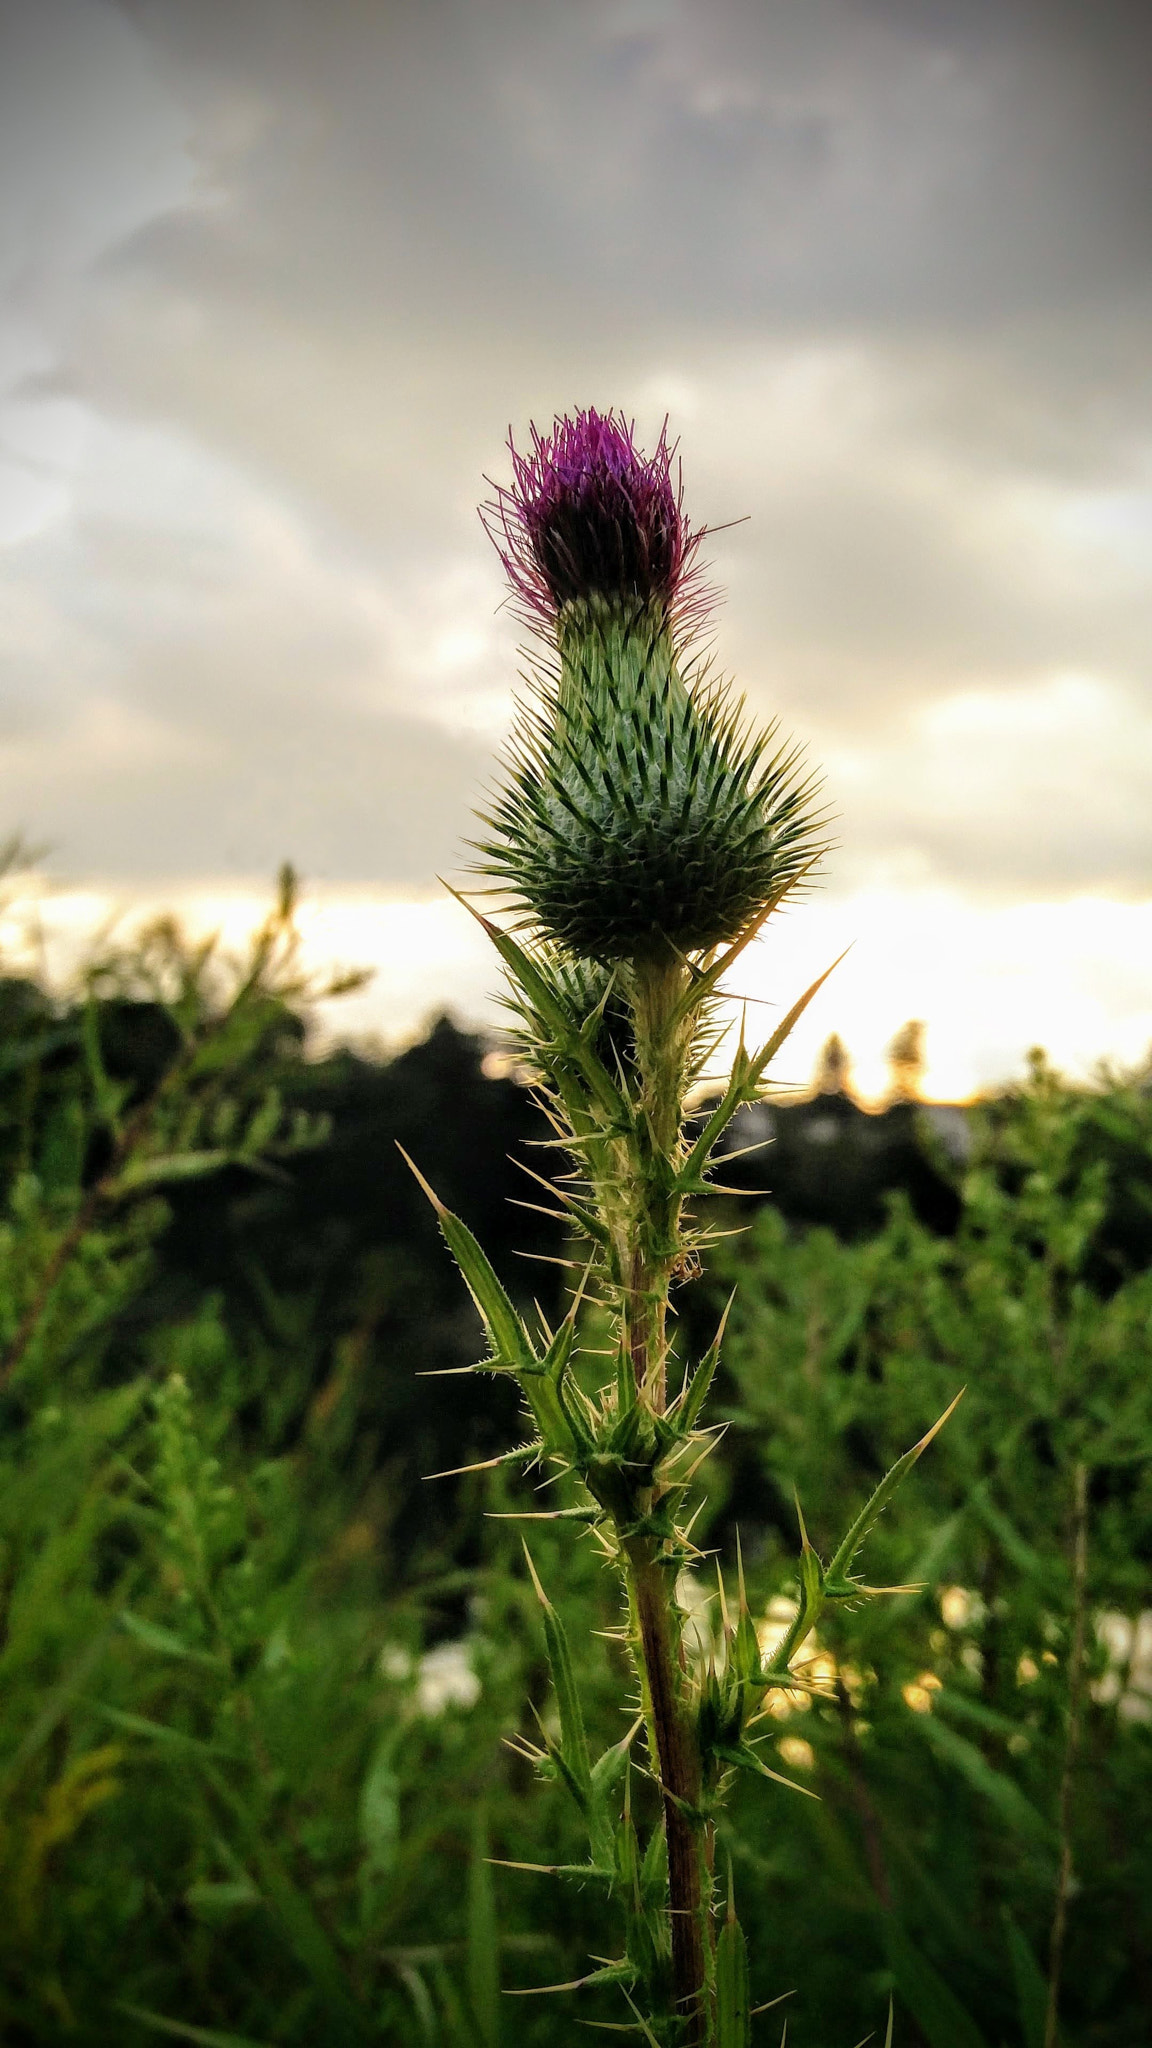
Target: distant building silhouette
907, 1062
833, 1075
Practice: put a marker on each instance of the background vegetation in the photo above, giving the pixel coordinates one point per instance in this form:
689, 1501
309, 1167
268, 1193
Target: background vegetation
256, 1676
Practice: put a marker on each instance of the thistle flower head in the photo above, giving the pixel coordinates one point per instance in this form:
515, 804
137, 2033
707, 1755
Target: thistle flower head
640, 810
588, 517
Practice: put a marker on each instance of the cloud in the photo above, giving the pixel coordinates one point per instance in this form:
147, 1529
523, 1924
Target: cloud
198, 682
284, 273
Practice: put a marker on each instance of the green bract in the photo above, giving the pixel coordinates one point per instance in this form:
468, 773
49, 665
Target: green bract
641, 813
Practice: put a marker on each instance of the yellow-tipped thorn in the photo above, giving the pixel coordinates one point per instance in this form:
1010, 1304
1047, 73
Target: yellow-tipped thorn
938, 1426
541, 1594
725, 1623
433, 1197
778, 2001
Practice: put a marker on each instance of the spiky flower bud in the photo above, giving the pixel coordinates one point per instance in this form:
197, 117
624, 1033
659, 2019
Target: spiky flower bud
641, 813
589, 517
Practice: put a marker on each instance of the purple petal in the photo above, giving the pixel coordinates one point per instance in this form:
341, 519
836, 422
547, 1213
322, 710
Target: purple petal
588, 515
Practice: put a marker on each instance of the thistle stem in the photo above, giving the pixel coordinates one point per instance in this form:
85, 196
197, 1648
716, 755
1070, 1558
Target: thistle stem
677, 1755
661, 1053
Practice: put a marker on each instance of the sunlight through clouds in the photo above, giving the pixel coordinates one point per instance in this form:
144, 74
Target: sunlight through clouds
1075, 977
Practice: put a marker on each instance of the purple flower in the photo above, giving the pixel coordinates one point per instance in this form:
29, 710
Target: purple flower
588, 515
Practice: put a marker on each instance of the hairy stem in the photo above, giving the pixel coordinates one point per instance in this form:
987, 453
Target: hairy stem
661, 1052
678, 1759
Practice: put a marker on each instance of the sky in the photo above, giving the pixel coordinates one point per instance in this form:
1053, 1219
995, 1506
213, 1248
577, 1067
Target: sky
276, 280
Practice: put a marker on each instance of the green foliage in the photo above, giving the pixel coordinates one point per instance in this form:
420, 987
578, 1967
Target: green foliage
938, 1724
232, 1808
224, 1802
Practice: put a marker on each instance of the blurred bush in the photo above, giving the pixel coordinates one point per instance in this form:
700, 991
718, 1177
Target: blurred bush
982, 1742
255, 1676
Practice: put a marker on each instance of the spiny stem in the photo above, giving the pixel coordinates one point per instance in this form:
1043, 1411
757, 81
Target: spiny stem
678, 1760
662, 1040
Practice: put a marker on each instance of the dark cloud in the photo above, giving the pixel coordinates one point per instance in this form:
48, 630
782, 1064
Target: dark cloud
829, 161
297, 266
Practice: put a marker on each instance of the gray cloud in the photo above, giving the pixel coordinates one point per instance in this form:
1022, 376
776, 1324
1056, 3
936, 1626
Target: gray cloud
290, 269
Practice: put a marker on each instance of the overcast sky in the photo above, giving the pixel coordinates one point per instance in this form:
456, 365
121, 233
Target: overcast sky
277, 277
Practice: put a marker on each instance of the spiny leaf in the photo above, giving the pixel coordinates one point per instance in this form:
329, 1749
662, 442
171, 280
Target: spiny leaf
696, 1392
536, 989
747, 1073
836, 1580
622, 1972
573, 1752
511, 1343
746, 1759
523, 1454
709, 979
733, 2017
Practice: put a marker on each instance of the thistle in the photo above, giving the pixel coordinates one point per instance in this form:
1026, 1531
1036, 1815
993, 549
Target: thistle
645, 832
641, 815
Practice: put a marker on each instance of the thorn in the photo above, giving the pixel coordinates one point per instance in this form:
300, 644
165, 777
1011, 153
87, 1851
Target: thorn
543, 1597
489, 1464
727, 1626
433, 1197
779, 2001
938, 1426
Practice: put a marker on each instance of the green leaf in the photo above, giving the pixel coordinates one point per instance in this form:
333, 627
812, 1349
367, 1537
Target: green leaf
211, 1901
733, 2016
745, 1759
483, 1956
421, 1998
312, 1947
206, 2037
1001, 1791
573, 1740
165, 1640
457, 2030
160, 1732
380, 1809
511, 1344
1031, 1985
841, 1563
172, 1166
1019, 1553
936, 2010
56, 1703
